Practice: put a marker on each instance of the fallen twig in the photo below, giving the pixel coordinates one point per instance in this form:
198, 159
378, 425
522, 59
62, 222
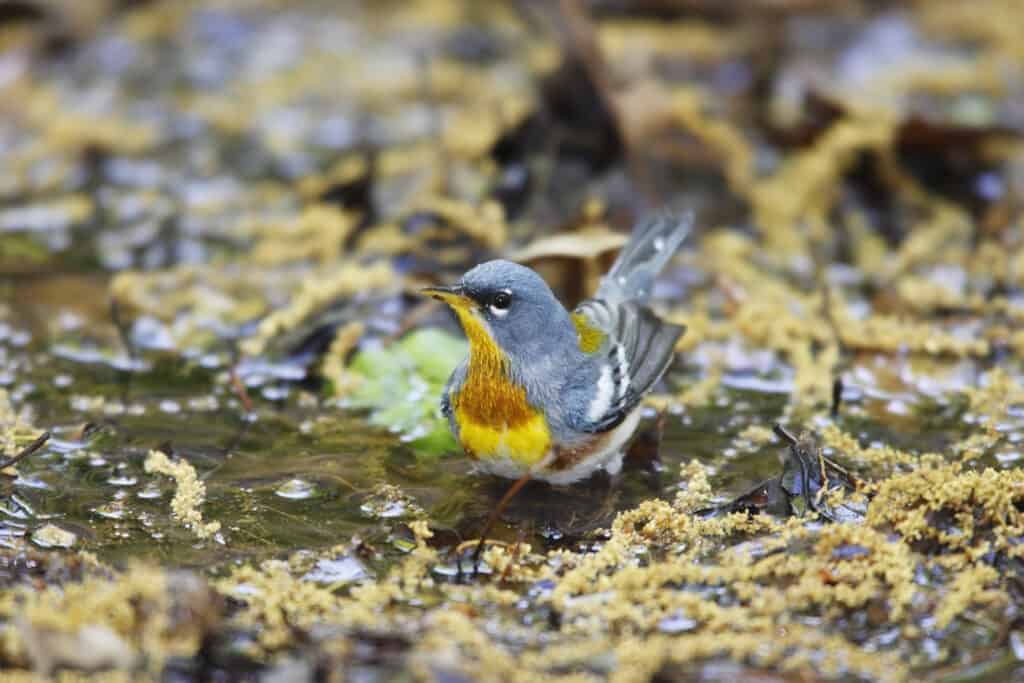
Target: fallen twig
781, 432
240, 390
27, 450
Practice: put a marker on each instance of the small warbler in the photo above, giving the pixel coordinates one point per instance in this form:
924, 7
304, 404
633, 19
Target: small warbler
554, 395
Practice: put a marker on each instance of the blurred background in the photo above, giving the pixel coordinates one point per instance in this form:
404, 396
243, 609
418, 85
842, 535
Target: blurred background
215, 217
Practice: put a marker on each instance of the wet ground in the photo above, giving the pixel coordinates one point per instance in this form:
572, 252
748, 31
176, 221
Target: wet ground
214, 218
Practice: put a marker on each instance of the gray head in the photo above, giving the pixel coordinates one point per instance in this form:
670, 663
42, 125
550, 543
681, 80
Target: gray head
514, 305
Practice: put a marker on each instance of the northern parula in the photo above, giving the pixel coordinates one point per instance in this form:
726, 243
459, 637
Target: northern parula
550, 394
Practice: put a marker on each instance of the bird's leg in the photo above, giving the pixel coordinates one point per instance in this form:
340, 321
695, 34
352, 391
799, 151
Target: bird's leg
496, 513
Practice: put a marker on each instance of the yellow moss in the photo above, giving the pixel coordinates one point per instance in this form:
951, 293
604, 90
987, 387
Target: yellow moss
756, 435
334, 362
348, 169
385, 496
69, 131
998, 391
990, 24
76, 677
815, 374
849, 450
968, 588
701, 393
888, 333
793, 203
189, 493
276, 603
986, 499
316, 292
925, 295
690, 107
945, 224
697, 493
637, 39
16, 429
484, 223
319, 233
471, 133
615, 598
135, 610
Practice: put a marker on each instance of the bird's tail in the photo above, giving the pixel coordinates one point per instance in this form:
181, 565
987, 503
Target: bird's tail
653, 243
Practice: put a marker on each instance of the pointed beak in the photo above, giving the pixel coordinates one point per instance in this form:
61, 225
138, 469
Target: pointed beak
454, 296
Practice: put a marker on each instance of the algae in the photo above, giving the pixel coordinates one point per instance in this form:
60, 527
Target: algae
189, 493
214, 218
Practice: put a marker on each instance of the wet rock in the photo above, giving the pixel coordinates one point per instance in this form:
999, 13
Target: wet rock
52, 536
289, 671
345, 569
94, 647
296, 489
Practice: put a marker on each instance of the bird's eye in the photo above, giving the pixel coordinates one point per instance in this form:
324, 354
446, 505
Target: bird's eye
500, 303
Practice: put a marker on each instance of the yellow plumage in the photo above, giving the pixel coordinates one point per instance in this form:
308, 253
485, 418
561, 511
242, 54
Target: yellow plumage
495, 420
590, 338
526, 444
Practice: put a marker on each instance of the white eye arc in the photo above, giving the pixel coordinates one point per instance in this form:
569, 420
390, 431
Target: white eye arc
500, 303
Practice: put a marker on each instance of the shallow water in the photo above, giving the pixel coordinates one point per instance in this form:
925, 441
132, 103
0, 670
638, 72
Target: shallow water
181, 175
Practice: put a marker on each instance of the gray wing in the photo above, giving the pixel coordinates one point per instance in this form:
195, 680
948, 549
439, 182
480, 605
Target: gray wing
639, 348
453, 385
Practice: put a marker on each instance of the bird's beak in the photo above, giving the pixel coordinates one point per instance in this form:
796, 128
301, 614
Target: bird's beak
454, 296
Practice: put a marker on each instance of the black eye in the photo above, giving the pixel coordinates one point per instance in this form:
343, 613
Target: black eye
501, 301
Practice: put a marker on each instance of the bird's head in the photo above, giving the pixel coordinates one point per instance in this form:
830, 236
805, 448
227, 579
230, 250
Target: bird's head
506, 305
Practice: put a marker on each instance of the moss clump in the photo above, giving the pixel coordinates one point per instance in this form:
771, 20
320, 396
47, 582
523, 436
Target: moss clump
131, 621
16, 428
189, 493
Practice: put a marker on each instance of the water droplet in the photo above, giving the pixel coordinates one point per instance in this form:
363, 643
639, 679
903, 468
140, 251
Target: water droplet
30, 482
149, 493
898, 407
394, 508
20, 338
275, 393
1008, 458
676, 624
113, 408
52, 536
202, 403
344, 569
170, 406
296, 489
1017, 644
110, 510
210, 361
659, 244
447, 570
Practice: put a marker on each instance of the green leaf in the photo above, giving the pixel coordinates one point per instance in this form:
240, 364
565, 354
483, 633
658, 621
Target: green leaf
401, 387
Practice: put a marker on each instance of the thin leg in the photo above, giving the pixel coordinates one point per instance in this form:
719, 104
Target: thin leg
496, 513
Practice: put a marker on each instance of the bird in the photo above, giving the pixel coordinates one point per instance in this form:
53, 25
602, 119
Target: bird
551, 394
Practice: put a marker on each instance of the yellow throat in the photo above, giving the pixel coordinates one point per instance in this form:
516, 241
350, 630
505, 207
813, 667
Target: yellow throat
495, 419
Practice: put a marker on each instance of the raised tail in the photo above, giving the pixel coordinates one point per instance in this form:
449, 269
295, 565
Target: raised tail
654, 241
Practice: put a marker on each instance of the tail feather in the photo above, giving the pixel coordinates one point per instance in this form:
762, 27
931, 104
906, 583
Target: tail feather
654, 241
